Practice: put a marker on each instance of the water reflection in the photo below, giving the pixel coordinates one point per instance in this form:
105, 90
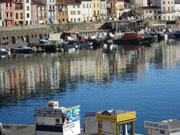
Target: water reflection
21, 75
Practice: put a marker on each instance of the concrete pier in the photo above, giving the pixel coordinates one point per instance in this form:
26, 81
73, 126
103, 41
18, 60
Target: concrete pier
13, 129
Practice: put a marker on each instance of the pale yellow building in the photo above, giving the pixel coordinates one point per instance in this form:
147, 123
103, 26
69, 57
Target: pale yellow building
152, 12
96, 5
119, 8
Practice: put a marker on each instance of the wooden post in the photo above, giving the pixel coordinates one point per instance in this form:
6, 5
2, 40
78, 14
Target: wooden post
117, 129
133, 128
99, 128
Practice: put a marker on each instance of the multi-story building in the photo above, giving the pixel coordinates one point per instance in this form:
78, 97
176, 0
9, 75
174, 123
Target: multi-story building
139, 3
167, 9
1, 15
27, 11
165, 127
8, 9
61, 11
96, 5
119, 8
74, 12
50, 9
18, 12
177, 9
34, 13
86, 6
111, 8
42, 14
103, 10
151, 12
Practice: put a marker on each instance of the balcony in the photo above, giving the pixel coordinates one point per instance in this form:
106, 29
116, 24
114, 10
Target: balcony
51, 10
9, 8
8, 18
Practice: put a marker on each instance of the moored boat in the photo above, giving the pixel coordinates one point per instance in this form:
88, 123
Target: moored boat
176, 34
4, 52
130, 38
22, 49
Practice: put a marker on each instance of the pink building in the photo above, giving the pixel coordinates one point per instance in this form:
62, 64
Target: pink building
8, 13
34, 13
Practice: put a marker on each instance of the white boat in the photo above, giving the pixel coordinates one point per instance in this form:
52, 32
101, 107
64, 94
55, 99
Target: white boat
22, 49
4, 52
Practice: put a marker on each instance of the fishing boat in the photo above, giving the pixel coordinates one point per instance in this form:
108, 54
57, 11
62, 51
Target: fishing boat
176, 34
130, 38
22, 49
4, 52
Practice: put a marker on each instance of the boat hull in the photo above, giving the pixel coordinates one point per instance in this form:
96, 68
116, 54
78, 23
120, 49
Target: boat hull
177, 35
145, 41
17, 50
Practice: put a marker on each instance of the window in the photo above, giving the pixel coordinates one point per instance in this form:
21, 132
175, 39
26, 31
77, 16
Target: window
27, 15
16, 15
27, 1
164, 8
21, 15
34, 8
27, 8
34, 15
168, 9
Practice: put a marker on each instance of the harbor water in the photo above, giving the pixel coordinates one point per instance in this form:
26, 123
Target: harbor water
135, 78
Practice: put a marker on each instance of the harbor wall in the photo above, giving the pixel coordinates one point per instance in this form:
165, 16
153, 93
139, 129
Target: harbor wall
32, 34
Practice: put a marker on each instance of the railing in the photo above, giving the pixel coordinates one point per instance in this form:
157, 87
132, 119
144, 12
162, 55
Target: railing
8, 18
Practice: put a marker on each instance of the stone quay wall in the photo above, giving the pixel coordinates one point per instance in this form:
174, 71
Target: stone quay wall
32, 34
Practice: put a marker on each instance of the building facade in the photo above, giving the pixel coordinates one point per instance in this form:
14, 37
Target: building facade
177, 10
166, 127
103, 10
42, 14
120, 6
27, 11
34, 13
8, 9
18, 12
86, 6
151, 13
96, 4
167, 9
50, 9
1, 15
61, 11
74, 12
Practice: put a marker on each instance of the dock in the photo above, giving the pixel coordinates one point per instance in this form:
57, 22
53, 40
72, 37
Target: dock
13, 129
